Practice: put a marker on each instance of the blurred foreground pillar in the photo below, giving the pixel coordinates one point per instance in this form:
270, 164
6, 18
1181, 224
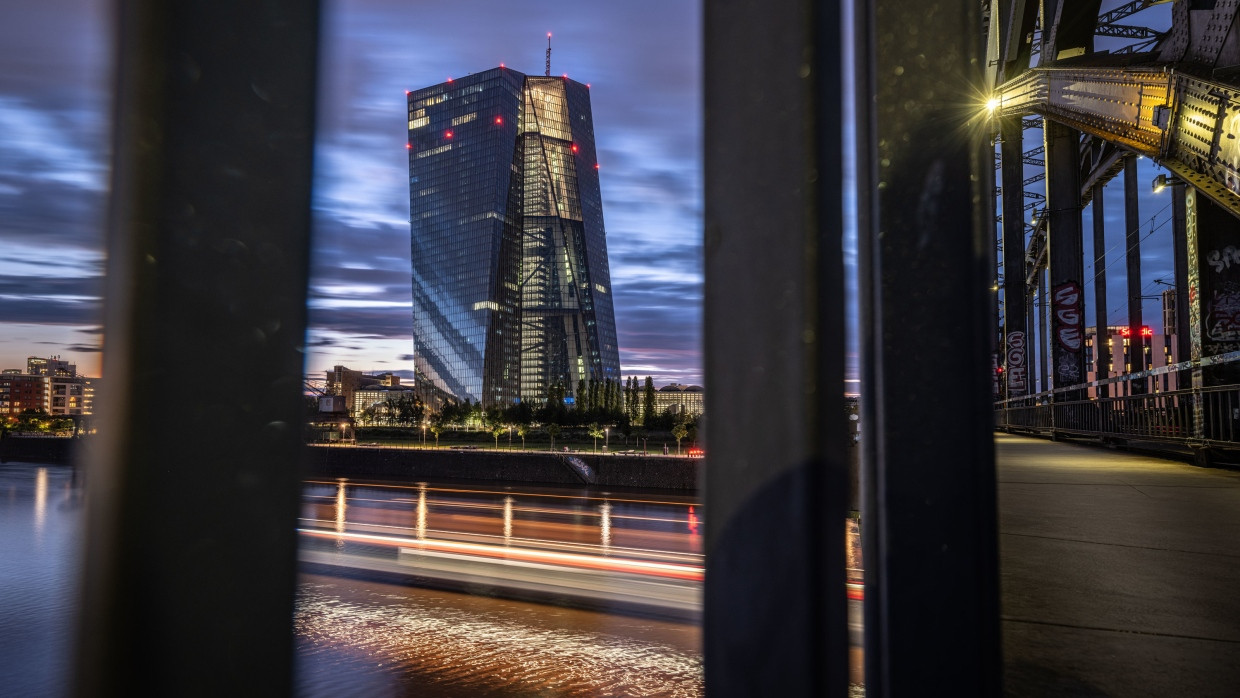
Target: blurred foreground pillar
192, 501
777, 482
927, 332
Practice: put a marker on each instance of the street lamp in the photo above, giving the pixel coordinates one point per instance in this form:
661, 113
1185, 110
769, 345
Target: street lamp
423, 434
1162, 181
509, 437
606, 434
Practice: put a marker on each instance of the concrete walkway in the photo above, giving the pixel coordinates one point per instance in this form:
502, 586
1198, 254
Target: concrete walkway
1120, 574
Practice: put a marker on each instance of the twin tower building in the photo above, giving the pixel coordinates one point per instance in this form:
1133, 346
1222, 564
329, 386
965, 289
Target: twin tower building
511, 288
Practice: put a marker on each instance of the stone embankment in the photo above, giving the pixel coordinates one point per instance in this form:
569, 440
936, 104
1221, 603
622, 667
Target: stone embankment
518, 467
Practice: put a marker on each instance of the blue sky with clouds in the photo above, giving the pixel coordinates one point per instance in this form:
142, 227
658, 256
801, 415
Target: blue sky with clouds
641, 57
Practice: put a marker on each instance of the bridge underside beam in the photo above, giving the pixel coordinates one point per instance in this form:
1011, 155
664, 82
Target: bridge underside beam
1183, 122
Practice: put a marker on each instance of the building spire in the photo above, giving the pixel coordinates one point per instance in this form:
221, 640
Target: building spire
548, 54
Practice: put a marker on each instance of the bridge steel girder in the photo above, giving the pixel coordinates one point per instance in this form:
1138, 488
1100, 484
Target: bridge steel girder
1102, 362
1016, 361
1135, 352
1019, 19
1068, 27
1065, 248
1182, 122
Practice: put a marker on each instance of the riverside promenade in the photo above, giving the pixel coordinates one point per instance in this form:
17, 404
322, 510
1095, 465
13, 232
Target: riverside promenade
1120, 573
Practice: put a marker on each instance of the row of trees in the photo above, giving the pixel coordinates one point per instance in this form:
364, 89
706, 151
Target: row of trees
31, 420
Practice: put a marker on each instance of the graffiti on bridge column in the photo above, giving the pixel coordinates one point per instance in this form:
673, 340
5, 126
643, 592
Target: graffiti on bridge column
1017, 370
1067, 304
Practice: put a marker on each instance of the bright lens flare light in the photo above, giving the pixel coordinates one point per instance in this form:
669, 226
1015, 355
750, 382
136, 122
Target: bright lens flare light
992, 104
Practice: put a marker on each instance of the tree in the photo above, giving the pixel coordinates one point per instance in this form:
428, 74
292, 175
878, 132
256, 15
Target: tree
640, 433
648, 402
437, 426
553, 430
496, 429
521, 430
597, 432
679, 431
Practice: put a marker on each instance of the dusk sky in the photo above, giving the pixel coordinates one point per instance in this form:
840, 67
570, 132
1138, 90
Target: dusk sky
641, 57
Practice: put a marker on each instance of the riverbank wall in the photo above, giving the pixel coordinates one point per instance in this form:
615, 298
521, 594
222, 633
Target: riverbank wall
527, 467
51, 450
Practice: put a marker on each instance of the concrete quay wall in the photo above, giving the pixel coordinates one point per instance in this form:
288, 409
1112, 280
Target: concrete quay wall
525, 467
52, 450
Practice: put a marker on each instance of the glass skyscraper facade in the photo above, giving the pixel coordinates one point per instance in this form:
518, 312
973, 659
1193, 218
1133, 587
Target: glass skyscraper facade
511, 288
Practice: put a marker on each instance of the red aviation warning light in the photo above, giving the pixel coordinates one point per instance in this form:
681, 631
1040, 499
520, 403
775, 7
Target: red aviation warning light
447, 134
408, 146
499, 120
575, 148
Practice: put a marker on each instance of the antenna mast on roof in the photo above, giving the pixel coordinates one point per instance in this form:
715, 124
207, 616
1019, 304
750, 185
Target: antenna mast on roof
548, 54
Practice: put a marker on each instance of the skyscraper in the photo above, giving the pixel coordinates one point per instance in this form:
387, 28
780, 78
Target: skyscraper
511, 288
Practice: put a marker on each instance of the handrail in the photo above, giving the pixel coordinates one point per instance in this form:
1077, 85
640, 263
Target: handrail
1205, 362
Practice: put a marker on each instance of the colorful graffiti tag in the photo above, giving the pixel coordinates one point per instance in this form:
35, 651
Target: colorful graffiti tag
1017, 370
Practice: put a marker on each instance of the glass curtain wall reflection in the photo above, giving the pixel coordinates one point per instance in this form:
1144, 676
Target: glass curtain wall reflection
511, 287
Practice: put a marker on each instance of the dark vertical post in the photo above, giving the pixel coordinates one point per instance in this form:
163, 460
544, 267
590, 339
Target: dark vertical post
1102, 361
1179, 246
1066, 263
1013, 173
1044, 332
1132, 242
1192, 256
930, 504
191, 549
775, 598
1215, 274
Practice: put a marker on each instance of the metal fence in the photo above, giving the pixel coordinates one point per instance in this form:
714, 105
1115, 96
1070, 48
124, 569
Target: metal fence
1197, 417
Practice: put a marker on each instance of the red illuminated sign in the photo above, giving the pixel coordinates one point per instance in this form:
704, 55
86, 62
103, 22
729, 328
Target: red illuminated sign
1147, 332
1125, 332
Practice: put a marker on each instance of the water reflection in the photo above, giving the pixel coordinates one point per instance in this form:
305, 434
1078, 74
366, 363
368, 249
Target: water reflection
421, 530
604, 525
341, 505
40, 501
507, 520
40, 531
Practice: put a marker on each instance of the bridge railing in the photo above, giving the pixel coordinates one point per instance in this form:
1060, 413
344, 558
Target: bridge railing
1198, 417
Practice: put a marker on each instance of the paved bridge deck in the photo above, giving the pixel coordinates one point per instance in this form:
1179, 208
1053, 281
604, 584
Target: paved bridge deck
1120, 573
